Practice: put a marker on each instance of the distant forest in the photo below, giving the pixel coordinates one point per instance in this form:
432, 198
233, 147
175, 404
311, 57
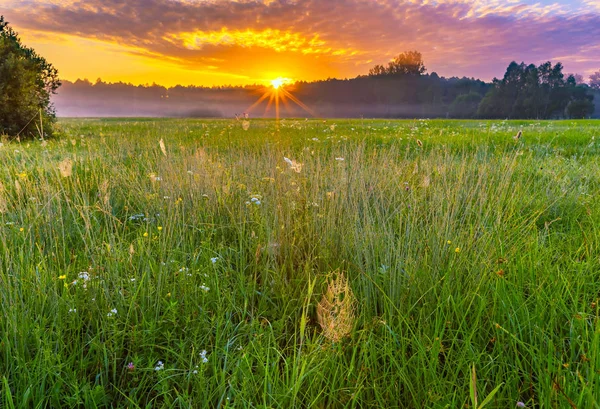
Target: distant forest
402, 89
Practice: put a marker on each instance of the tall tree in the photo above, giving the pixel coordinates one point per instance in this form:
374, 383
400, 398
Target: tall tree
406, 63
595, 80
26, 82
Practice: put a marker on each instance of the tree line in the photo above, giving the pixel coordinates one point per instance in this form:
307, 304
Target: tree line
400, 89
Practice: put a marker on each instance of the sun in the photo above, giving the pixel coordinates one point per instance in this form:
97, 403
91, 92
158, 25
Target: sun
280, 82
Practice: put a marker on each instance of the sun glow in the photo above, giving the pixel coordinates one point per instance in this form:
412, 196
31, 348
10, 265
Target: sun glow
280, 82
279, 91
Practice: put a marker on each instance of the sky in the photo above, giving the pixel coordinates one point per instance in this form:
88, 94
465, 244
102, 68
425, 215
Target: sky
237, 42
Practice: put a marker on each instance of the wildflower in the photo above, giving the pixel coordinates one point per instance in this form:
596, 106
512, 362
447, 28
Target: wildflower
159, 228
112, 312
340, 159
204, 288
22, 229
136, 217
214, 260
62, 277
457, 250
130, 367
520, 404
146, 234
203, 356
449, 242
255, 201
72, 309
295, 166
159, 366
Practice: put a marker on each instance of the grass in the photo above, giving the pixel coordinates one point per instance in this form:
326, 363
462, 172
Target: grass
473, 261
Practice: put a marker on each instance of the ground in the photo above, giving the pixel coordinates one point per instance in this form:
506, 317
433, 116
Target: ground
184, 263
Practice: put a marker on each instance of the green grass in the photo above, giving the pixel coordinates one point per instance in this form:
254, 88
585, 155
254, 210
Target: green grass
472, 250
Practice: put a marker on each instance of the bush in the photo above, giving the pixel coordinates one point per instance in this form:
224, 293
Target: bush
26, 83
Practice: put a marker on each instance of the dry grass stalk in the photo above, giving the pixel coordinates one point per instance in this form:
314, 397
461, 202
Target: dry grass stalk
335, 312
3, 201
105, 194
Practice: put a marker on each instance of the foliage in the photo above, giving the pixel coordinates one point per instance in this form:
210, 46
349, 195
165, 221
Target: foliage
595, 81
131, 278
407, 63
465, 105
26, 83
527, 91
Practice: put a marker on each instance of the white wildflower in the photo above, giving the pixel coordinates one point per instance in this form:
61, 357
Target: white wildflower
159, 366
112, 312
295, 166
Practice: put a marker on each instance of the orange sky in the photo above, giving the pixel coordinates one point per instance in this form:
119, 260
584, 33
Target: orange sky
218, 42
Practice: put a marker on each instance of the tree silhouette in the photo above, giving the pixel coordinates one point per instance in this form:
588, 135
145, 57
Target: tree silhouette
26, 83
406, 63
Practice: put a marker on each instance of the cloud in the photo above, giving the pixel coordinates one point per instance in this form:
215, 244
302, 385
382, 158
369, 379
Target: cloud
457, 37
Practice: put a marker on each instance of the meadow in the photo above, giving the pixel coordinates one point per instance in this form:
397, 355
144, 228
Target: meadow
296, 264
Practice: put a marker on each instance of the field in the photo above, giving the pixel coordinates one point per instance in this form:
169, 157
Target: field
208, 271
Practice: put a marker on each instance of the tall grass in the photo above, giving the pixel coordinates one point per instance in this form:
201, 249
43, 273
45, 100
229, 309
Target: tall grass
468, 249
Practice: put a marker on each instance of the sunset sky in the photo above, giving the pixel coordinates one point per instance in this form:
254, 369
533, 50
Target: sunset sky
217, 42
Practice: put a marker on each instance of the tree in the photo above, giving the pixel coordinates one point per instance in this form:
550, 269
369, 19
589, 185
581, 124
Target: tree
409, 63
527, 91
465, 105
26, 82
595, 80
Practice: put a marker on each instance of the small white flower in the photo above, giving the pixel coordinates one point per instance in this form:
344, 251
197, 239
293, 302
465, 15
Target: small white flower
132, 280
159, 366
214, 260
73, 310
204, 288
203, 356
340, 159
112, 312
